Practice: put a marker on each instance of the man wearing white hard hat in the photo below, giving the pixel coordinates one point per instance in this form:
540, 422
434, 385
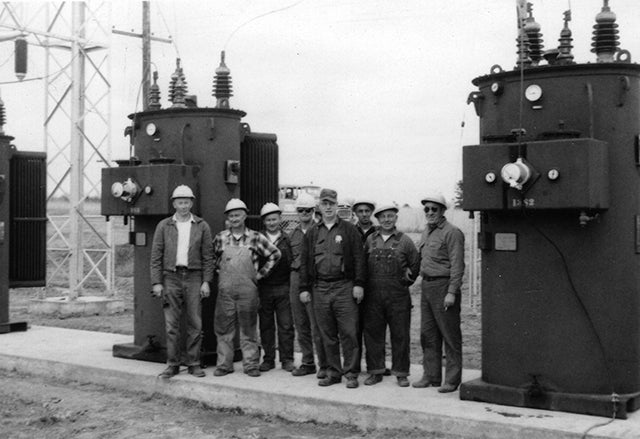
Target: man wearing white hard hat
181, 270
274, 296
238, 252
393, 265
363, 210
442, 267
303, 316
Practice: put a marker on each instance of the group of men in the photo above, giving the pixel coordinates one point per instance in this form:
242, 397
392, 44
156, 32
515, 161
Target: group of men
338, 284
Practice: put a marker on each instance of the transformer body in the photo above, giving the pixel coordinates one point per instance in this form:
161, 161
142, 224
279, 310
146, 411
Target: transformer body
23, 224
199, 147
560, 249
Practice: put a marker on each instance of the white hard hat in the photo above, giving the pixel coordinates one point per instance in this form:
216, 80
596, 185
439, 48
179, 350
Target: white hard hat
234, 204
182, 191
370, 203
269, 208
435, 198
305, 200
384, 208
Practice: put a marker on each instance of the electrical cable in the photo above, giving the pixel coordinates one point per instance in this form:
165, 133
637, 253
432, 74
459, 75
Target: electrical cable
38, 78
607, 368
260, 16
172, 35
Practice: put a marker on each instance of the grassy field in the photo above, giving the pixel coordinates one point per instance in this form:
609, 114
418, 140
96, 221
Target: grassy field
124, 272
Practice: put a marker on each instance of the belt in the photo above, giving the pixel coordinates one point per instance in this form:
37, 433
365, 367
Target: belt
183, 268
433, 278
331, 279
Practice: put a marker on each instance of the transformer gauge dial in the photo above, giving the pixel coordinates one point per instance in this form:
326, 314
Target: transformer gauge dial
533, 93
151, 129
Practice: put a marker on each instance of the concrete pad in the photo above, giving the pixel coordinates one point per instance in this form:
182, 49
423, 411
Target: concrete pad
81, 306
86, 357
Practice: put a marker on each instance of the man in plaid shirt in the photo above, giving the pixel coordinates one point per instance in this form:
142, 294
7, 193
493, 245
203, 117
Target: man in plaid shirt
238, 252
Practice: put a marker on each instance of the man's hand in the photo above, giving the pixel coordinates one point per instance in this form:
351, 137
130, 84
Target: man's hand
407, 275
305, 297
205, 290
358, 294
156, 290
449, 300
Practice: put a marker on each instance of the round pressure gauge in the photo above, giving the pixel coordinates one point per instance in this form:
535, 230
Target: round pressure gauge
553, 174
151, 129
148, 190
533, 93
117, 189
490, 177
497, 88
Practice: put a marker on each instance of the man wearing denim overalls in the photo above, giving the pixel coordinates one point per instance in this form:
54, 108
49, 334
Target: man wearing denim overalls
393, 265
237, 254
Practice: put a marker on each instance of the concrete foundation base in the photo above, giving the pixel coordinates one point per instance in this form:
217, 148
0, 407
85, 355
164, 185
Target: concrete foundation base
82, 306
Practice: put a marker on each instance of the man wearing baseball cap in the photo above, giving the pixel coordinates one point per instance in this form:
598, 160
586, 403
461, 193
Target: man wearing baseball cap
333, 267
393, 265
238, 252
442, 267
181, 270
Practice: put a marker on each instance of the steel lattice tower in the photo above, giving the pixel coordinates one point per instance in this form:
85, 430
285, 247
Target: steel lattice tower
75, 37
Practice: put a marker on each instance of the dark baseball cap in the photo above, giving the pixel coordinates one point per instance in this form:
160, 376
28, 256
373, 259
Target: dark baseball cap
329, 194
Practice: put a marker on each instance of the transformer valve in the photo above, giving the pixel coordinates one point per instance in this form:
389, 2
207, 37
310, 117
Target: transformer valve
516, 174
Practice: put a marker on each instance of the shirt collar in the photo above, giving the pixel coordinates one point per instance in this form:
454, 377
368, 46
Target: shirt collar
393, 233
191, 219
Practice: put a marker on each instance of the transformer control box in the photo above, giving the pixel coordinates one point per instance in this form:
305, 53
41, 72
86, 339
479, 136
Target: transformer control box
145, 189
566, 174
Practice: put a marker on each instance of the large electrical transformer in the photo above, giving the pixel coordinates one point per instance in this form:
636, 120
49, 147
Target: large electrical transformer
211, 151
556, 179
23, 222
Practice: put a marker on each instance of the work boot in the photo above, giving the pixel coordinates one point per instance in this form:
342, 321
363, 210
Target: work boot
447, 388
374, 378
287, 365
328, 381
322, 374
403, 382
424, 382
253, 373
303, 370
387, 372
220, 372
169, 372
196, 371
266, 365
352, 383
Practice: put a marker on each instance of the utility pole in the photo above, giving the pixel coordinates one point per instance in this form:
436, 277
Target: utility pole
76, 211
146, 49
146, 54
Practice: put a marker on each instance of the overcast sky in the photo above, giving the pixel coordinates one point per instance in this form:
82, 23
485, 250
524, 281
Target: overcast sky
365, 96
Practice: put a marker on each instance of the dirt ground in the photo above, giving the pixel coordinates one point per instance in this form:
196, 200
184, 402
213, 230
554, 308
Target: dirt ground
32, 407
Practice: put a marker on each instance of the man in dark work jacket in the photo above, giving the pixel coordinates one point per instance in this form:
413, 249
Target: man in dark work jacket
333, 267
